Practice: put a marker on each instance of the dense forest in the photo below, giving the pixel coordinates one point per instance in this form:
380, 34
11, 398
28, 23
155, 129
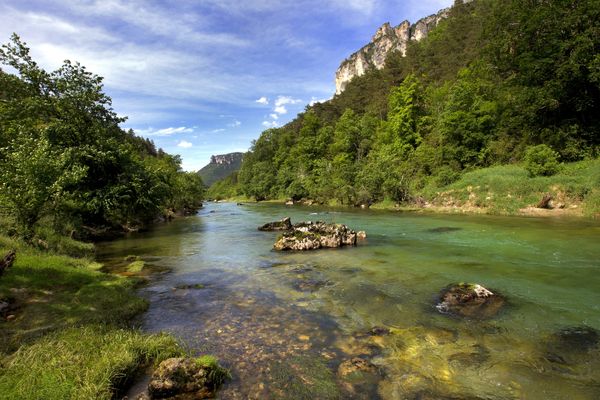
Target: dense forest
65, 161
496, 83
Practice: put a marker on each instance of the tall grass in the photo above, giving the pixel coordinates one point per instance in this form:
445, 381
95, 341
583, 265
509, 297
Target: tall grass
89, 362
507, 189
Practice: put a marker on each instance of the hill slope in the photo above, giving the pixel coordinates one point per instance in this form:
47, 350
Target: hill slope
220, 167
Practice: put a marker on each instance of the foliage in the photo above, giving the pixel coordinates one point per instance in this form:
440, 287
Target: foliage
227, 188
64, 156
541, 160
492, 80
508, 188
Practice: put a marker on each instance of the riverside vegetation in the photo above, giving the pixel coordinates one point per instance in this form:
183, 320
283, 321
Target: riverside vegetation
502, 97
68, 172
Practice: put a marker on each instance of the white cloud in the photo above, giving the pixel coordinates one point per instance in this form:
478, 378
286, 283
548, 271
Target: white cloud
270, 124
234, 124
263, 100
217, 130
163, 132
280, 110
282, 100
184, 144
274, 116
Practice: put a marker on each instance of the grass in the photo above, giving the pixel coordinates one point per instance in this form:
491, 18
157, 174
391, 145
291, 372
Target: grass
509, 188
69, 338
217, 375
54, 291
90, 362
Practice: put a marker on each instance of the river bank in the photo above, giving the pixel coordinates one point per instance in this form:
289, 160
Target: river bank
67, 329
502, 190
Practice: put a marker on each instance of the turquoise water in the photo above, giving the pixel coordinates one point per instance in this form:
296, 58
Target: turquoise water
285, 322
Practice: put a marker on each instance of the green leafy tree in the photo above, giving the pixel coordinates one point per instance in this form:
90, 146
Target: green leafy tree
541, 160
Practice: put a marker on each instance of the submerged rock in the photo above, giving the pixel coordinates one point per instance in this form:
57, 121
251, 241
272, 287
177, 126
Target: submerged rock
198, 378
379, 331
283, 225
469, 300
315, 235
354, 365
444, 229
579, 338
310, 285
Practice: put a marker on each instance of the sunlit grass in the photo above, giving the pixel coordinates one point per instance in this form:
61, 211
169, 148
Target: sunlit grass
89, 362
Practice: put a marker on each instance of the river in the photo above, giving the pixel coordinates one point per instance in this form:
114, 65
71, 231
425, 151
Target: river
287, 324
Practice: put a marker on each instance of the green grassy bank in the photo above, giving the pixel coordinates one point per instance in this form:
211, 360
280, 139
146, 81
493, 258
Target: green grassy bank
509, 190
67, 333
504, 190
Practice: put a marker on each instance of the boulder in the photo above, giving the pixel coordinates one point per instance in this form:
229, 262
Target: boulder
469, 300
577, 338
283, 225
7, 261
315, 235
186, 376
361, 235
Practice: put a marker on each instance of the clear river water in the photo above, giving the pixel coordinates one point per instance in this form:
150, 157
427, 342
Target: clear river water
298, 325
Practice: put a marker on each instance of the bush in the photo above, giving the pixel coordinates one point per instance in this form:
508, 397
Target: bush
541, 160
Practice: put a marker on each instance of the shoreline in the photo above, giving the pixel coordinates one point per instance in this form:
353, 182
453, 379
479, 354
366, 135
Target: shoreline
575, 211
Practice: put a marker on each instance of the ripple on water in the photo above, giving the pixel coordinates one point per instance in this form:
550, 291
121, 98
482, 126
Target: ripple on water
297, 326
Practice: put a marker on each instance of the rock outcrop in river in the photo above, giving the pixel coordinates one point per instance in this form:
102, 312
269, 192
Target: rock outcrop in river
283, 225
469, 300
311, 235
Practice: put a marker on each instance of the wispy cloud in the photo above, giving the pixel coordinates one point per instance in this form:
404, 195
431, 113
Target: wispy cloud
263, 100
164, 131
235, 124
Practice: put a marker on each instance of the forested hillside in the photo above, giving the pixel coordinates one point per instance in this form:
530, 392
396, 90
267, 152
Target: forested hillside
497, 82
220, 167
65, 161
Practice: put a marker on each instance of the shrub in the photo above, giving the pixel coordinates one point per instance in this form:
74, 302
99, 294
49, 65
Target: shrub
541, 160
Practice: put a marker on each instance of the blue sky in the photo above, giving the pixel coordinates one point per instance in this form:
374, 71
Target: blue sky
206, 77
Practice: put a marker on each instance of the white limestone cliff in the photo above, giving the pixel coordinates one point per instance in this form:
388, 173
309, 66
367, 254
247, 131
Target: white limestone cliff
385, 40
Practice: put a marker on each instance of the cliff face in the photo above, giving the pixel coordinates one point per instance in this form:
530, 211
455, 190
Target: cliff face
385, 40
220, 166
226, 159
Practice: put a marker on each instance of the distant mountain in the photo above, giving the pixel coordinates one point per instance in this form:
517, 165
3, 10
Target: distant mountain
220, 167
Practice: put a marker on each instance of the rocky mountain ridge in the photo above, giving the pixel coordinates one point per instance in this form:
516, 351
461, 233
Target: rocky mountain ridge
220, 166
385, 40
226, 159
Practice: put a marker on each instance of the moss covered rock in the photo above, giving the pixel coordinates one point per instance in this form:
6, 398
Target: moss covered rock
198, 378
469, 300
